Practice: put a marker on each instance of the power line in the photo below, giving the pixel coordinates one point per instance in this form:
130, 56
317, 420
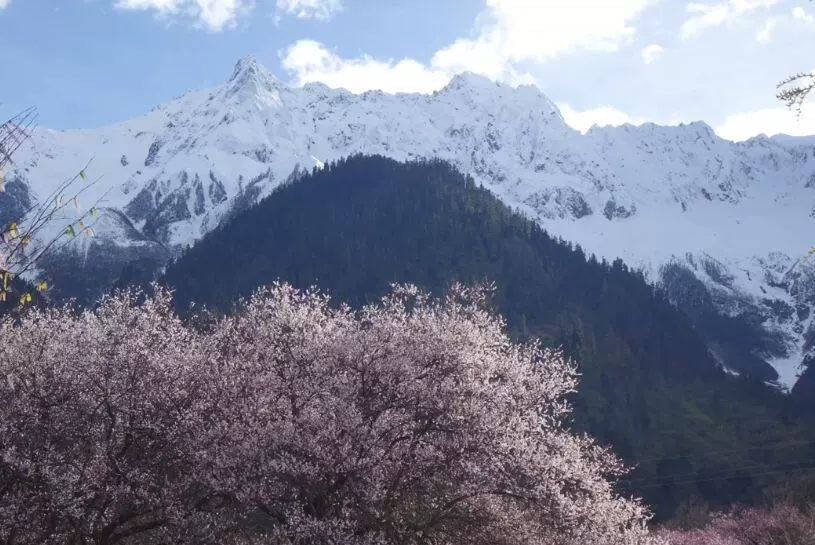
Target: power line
728, 451
693, 481
14, 132
776, 466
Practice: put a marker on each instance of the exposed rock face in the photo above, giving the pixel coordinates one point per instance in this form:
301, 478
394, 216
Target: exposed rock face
83, 270
14, 200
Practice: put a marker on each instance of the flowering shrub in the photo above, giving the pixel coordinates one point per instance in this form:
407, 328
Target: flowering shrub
704, 536
294, 421
783, 524
99, 424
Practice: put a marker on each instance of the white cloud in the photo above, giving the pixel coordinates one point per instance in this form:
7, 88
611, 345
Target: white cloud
766, 32
162, 6
799, 14
602, 117
322, 10
705, 16
769, 121
772, 23
311, 61
515, 31
215, 15
4, 4
651, 52
507, 34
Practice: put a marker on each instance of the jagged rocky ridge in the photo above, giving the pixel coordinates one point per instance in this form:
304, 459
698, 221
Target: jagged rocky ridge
723, 226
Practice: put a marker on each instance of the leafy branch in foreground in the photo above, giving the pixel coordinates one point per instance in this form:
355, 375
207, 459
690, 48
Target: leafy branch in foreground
794, 90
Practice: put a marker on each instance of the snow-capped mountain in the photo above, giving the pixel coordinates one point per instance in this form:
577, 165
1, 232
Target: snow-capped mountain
724, 227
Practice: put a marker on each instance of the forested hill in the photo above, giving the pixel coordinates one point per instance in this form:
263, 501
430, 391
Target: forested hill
649, 387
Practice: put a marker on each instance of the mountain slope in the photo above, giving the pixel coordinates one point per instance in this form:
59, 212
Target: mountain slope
735, 219
648, 386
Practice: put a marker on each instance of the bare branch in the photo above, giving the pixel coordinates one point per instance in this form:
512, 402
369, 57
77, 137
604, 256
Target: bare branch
33, 223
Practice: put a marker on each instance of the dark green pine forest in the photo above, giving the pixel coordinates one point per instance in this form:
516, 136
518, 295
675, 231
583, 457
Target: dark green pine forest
649, 389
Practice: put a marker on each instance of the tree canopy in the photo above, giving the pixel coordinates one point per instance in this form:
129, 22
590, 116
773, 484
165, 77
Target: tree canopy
294, 421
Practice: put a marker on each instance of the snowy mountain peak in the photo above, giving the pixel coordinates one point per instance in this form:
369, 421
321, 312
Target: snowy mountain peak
481, 94
470, 80
247, 64
738, 216
701, 129
250, 78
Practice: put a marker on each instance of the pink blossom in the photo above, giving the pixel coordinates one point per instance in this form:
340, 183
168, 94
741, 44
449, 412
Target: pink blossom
781, 524
296, 421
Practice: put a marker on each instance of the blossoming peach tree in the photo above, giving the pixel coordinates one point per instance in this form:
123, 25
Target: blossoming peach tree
296, 421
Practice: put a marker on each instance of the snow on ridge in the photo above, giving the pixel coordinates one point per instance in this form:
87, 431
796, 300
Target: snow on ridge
649, 194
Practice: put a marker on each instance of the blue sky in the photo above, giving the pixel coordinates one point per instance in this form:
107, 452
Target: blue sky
86, 63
